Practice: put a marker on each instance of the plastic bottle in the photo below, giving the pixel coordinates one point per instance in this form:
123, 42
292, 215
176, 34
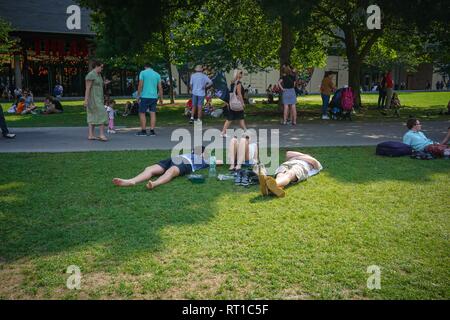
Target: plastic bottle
212, 167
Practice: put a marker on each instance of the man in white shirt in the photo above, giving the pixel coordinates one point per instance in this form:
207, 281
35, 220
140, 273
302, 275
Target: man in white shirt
298, 167
199, 82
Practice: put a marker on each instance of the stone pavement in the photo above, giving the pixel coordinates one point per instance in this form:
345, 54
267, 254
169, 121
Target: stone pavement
330, 133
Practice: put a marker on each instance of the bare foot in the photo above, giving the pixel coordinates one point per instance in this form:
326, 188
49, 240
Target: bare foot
149, 185
238, 167
231, 168
122, 182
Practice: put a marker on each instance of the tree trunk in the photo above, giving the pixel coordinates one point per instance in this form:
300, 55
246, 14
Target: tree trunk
354, 77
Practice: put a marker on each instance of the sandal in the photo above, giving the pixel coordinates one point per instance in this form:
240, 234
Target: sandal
103, 139
92, 138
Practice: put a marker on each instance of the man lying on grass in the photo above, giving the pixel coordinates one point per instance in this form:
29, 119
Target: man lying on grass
169, 169
298, 167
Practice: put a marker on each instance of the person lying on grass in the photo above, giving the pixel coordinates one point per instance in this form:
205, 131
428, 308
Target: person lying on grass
169, 169
298, 167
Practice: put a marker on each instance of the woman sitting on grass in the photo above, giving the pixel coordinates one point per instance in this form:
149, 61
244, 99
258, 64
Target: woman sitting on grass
52, 105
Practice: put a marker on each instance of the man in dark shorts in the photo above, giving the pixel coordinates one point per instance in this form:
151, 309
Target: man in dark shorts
4, 127
167, 170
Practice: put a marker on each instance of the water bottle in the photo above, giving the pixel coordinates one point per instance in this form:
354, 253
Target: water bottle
212, 167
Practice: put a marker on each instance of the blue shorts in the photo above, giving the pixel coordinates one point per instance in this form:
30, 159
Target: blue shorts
197, 101
147, 104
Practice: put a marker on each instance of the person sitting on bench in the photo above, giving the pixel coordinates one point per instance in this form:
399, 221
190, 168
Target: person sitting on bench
298, 167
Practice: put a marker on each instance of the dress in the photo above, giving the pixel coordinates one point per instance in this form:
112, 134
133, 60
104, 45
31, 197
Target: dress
96, 113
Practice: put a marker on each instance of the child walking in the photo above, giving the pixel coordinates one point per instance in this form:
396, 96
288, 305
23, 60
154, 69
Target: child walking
111, 113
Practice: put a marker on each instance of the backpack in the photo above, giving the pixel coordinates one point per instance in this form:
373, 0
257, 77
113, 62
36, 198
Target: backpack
347, 99
393, 149
235, 103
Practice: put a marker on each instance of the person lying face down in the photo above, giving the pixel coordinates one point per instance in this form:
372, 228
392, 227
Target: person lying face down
297, 167
168, 169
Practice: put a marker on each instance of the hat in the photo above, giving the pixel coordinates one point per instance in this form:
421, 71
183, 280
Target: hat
198, 68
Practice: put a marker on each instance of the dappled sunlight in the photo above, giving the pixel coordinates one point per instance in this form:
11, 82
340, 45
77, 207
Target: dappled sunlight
11, 185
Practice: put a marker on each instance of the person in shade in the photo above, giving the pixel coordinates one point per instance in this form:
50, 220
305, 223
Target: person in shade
298, 167
4, 127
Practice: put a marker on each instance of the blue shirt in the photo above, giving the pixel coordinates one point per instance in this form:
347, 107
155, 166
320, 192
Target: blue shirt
151, 80
417, 140
198, 83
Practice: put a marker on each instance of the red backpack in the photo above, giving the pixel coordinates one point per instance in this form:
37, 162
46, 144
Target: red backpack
347, 99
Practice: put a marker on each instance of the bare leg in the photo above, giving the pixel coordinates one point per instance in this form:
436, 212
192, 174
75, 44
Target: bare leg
242, 152
199, 112
293, 114
232, 152
152, 120
102, 131
283, 179
91, 131
225, 126
447, 137
242, 124
143, 176
285, 113
143, 120
170, 174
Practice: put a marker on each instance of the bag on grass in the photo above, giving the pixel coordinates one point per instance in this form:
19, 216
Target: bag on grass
393, 149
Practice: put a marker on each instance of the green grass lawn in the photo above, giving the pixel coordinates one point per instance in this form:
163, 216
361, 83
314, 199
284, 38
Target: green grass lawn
218, 241
425, 105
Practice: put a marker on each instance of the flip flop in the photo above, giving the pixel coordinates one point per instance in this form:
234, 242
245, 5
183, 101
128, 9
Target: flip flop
104, 139
263, 185
93, 138
274, 188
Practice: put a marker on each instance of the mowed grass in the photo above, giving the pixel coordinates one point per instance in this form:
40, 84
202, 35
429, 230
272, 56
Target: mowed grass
220, 241
425, 105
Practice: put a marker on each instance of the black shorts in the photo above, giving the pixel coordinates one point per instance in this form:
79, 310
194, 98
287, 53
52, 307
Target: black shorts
183, 167
231, 115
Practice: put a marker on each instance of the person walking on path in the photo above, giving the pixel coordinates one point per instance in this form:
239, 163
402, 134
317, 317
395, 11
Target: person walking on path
4, 127
389, 89
289, 97
231, 115
198, 83
326, 88
382, 93
94, 102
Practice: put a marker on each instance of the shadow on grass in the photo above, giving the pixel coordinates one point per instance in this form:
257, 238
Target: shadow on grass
64, 202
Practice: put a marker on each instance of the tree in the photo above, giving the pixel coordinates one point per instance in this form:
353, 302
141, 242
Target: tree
7, 44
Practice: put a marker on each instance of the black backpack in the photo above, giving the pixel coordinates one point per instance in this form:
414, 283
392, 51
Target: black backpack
393, 149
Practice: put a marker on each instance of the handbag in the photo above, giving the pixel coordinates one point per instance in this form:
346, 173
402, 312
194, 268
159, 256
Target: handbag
235, 103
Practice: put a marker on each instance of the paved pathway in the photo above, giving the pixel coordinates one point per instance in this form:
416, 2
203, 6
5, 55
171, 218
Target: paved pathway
313, 134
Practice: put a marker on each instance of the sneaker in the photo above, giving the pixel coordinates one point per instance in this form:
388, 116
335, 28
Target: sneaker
245, 181
238, 178
141, 134
325, 117
224, 135
9, 136
111, 131
152, 133
191, 121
